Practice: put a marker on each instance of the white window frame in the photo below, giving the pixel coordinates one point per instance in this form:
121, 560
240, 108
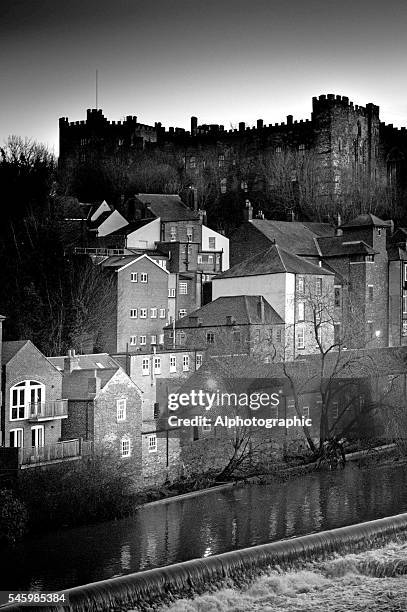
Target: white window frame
23, 391
18, 435
144, 277
134, 277
173, 234
185, 363
183, 288
301, 284
143, 313
153, 339
405, 302
212, 242
121, 410
300, 337
157, 365
190, 234
152, 443
301, 311
39, 433
125, 447
163, 313
133, 313
143, 340
153, 313
133, 340
145, 366
198, 361
173, 364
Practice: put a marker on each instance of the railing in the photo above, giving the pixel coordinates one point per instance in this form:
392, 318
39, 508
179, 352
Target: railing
48, 410
53, 452
98, 251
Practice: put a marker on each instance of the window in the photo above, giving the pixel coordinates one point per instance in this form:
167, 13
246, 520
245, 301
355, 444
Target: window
301, 311
190, 234
153, 313
405, 273
145, 366
369, 258
144, 277
121, 409
237, 337
210, 337
305, 412
162, 313
300, 284
161, 339
337, 333
207, 427
173, 363
404, 302
153, 339
185, 363
143, 340
173, 234
156, 413
134, 277
133, 313
319, 286
335, 410
278, 335
301, 147
210, 259
143, 313
121, 142
198, 362
181, 338
125, 447
404, 328
37, 435
337, 297
16, 438
221, 160
278, 150
244, 186
157, 365
152, 443
133, 340
274, 412
212, 242
192, 162
370, 293
300, 338
182, 313
171, 293
183, 288
28, 393
223, 185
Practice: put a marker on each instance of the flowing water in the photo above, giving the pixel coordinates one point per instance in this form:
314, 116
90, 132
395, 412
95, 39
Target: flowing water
374, 580
201, 526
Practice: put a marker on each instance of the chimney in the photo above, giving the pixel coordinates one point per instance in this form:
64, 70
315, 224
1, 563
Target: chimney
260, 308
71, 362
248, 211
94, 385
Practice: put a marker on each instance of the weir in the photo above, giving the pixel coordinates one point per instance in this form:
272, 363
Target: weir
139, 591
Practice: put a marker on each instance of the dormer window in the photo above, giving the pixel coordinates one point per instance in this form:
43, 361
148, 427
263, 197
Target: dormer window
369, 258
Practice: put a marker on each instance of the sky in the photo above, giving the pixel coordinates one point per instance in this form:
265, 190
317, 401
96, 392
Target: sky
223, 61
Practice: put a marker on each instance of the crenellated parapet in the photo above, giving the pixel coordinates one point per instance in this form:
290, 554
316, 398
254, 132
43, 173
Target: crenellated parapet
326, 102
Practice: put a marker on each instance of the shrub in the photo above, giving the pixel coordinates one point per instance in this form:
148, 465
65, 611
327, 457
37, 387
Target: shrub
13, 517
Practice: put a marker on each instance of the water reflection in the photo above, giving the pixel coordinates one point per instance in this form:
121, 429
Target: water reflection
205, 525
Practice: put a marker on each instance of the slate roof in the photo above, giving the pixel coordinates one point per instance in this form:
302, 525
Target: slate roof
338, 246
244, 310
274, 260
94, 361
395, 253
10, 349
101, 219
367, 220
118, 261
167, 207
296, 236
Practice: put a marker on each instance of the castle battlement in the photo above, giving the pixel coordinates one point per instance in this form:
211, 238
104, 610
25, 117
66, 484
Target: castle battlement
328, 101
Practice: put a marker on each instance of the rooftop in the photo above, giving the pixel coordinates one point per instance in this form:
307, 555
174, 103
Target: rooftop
366, 220
298, 237
169, 207
274, 260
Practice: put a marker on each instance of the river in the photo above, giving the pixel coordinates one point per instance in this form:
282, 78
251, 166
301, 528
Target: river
215, 522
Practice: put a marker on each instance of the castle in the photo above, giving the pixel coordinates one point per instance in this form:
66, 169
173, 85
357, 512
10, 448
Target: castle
344, 147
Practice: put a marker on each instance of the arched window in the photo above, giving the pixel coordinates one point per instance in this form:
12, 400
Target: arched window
24, 396
223, 185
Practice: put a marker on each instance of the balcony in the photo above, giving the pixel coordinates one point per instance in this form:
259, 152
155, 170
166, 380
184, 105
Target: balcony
101, 252
47, 411
61, 451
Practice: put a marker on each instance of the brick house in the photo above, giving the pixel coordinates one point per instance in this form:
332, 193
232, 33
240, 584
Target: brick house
300, 292
156, 374
237, 324
104, 405
33, 408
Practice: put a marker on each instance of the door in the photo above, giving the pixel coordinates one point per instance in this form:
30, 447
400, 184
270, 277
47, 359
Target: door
37, 436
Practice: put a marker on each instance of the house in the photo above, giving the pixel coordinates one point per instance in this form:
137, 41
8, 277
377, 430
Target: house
237, 324
300, 292
156, 373
104, 405
33, 408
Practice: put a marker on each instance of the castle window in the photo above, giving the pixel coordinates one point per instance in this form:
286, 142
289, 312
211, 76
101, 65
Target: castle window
223, 185
192, 162
221, 160
404, 328
278, 150
244, 186
301, 148
337, 333
370, 329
